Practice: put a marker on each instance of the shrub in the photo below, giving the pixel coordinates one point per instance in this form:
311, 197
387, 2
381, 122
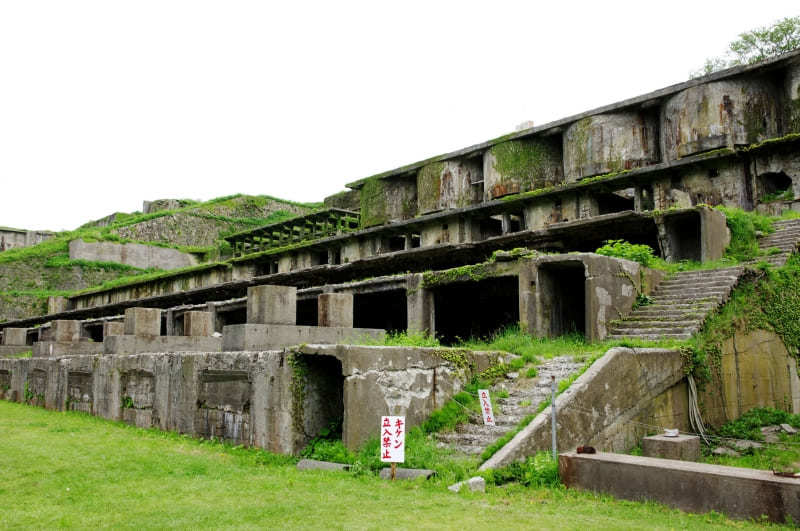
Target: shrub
630, 251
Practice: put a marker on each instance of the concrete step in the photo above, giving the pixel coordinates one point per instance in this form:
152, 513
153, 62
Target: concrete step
654, 323
723, 282
669, 331
693, 291
647, 337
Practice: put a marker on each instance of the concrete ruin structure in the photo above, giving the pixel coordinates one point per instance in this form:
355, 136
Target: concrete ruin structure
257, 348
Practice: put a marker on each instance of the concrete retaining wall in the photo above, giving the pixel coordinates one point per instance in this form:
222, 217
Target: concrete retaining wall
132, 254
277, 400
698, 488
611, 406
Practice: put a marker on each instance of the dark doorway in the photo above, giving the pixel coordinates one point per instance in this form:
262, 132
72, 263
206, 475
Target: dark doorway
772, 186
475, 309
385, 309
610, 203
307, 312
683, 234
562, 293
323, 401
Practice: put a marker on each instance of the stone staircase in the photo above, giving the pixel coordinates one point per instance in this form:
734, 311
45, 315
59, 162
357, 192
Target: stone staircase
682, 302
472, 438
786, 238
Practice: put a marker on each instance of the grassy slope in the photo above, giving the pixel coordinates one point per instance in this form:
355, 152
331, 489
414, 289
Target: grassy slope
30, 274
71, 470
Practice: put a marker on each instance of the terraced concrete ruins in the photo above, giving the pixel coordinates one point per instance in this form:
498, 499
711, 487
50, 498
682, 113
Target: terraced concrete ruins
258, 342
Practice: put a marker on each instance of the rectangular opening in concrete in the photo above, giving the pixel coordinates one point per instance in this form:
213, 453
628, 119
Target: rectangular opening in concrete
223, 406
177, 326
307, 314
490, 227
319, 257
608, 203
5, 385
774, 185
415, 240
37, 387
385, 309
394, 243
475, 309
137, 395
79, 392
93, 331
323, 402
231, 317
335, 255
683, 233
562, 294
31, 337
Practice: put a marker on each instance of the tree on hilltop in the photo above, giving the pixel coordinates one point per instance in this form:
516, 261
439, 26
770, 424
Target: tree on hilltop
756, 45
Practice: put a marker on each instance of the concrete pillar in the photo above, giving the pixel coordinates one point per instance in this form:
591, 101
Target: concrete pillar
65, 331
335, 309
170, 318
506, 223
56, 304
113, 328
420, 306
143, 322
527, 299
272, 305
215, 318
198, 324
15, 336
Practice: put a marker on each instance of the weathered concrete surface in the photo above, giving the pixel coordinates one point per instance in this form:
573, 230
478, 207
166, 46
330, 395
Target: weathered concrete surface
756, 370
720, 114
143, 322
15, 336
522, 165
610, 142
387, 200
701, 235
451, 184
63, 331
111, 328
13, 238
264, 337
396, 381
312, 464
55, 349
126, 344
335, 310
691, 487
610, 406
11, 350
132, 254
276, 400
199, 324
682, 447
608, 291
272, 305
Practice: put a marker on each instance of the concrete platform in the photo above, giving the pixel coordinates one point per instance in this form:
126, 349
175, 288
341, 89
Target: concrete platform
692, 487
266, 337
146, 344
682, 447
11, 350
55, 349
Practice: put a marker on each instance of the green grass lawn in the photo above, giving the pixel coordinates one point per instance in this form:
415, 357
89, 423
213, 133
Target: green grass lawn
73, 470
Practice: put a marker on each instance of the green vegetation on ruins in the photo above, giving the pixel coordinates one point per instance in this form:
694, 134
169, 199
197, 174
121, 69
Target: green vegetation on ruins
160, 479
29, 275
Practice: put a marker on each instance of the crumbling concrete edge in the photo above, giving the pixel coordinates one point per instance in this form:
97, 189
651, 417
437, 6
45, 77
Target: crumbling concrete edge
663, 371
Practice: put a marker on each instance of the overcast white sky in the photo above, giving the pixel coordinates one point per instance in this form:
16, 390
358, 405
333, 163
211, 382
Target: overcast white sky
106, 103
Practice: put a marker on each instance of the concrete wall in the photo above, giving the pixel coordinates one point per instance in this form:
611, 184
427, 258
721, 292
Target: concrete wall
132, 254
446, 185
756, 370
12, 238
610, 406
691, 487
274, 400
